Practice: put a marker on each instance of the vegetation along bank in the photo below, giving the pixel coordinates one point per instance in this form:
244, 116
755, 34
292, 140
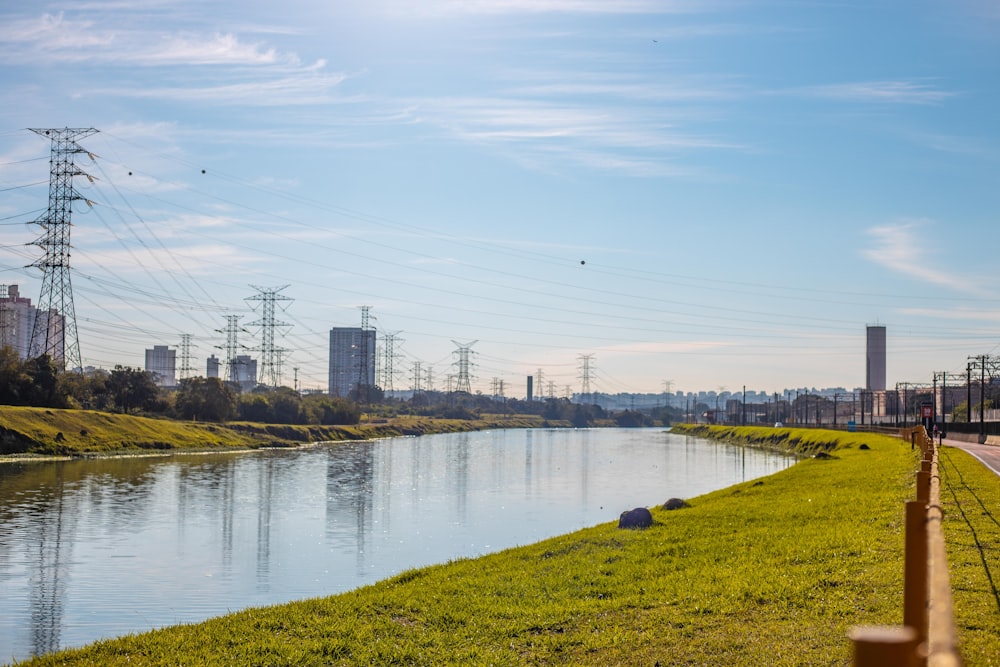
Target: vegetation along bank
768, 572
49, 432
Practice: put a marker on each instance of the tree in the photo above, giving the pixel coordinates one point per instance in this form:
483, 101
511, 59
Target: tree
318, 409
88, 390
207, 399
132, 389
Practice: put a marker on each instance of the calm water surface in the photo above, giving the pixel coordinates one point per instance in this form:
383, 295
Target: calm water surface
95, 549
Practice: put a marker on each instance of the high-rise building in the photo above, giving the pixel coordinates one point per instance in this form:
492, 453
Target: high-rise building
17, 317
245, 371
352, 359
875, 359
161, 361
212, 367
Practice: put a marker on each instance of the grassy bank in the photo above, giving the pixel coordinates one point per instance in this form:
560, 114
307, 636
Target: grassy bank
50, 432
805, 441
970, 496
769, 572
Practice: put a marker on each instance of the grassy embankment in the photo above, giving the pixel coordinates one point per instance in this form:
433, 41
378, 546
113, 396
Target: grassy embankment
50, 432
768, 572
970, 497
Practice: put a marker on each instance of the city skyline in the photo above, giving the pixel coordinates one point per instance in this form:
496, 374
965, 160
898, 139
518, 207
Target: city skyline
702, 194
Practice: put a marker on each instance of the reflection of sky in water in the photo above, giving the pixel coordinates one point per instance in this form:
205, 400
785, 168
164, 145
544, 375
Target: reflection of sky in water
92, 549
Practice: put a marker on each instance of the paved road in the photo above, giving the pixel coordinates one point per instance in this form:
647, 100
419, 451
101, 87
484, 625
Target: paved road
989, 455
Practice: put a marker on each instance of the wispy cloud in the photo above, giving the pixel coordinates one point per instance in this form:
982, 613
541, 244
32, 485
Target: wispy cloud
897, 248
62, 38
608, 136
881, 92
302, 89
438, 7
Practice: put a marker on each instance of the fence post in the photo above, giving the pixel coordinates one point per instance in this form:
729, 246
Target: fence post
915, 569
924, 486
881, 645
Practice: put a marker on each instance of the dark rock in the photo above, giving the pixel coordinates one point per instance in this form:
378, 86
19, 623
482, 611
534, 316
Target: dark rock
675, 504
640, 517
864, 446
822, 455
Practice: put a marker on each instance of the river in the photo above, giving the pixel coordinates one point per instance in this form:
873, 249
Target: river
91, 549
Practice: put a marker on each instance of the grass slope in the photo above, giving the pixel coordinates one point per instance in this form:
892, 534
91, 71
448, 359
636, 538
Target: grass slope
769, 572
970, 496
51, 432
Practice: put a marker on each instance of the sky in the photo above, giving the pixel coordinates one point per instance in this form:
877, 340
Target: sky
643, 195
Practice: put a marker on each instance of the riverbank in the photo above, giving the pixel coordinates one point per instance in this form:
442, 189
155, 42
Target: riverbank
46, 433
772, 571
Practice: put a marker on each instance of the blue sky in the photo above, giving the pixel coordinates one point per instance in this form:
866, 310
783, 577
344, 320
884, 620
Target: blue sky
710, 194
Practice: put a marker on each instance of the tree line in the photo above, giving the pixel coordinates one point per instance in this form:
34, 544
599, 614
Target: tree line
39, 382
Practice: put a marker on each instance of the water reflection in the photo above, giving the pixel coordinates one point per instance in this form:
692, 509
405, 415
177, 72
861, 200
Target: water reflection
92, 549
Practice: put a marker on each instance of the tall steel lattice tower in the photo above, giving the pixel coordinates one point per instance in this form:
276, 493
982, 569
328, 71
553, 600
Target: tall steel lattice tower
54, 332
464, 381
270, 356
389, 342
365, 353
186, 370
232, 346
585, 373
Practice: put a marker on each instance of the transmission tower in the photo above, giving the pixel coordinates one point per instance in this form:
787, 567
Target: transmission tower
186, 370
54, 331
464, 382
430, 379
389, 343
365, 353
232, 346
416, 377
270, 356
585, 373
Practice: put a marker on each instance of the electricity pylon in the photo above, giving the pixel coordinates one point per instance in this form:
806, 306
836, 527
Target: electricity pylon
464, 382
54, 332
270, 362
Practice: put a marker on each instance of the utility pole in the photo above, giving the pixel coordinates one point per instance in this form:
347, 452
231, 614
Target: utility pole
54, 332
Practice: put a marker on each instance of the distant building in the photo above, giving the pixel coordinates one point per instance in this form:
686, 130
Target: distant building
875, 359
17, 317
244, 372
212, 367
352, 359
161, 361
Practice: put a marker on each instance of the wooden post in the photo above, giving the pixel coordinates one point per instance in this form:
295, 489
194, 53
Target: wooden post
924, 486
881, 645
915, 569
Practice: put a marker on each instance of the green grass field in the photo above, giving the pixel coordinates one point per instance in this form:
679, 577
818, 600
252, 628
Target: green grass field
768, 572
970, 496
